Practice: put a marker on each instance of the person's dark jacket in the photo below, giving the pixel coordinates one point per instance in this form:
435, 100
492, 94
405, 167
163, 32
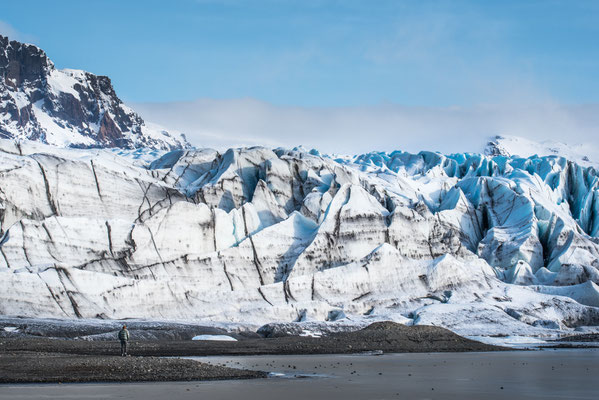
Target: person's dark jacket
124, 335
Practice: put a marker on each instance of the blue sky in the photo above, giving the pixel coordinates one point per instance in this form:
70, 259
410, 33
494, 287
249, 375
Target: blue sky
326, 54
331, 53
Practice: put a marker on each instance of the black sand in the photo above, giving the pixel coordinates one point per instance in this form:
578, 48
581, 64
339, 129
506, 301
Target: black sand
33, 367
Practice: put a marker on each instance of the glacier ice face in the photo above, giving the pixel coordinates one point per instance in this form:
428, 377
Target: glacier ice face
479, 244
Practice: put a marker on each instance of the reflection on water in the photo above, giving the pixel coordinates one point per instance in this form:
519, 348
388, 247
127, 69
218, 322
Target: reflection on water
513, 374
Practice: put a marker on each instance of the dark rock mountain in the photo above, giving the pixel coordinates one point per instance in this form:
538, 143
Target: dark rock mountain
68, 107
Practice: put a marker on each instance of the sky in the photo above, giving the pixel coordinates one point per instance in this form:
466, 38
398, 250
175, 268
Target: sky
340, 76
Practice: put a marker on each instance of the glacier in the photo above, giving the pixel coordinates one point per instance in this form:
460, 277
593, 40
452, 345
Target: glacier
480, 244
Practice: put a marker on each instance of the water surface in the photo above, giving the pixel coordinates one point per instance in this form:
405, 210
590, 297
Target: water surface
546, 374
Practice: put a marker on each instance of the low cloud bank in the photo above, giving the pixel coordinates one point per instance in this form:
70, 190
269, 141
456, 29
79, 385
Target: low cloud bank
387, 127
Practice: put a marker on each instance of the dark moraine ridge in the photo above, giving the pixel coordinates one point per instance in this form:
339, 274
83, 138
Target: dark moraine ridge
389, 337
586, 337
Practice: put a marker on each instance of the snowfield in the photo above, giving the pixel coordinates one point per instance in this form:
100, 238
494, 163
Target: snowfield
485, 245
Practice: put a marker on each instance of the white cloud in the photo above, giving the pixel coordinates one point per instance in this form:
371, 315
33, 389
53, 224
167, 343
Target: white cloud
349, 130
9, 31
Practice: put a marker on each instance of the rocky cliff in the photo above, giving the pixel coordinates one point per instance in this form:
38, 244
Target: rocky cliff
67, 107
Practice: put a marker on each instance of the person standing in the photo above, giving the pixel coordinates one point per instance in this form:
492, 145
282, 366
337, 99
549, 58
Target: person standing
124, 338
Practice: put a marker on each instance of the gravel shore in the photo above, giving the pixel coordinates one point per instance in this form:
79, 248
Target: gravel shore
58, 360
35, 367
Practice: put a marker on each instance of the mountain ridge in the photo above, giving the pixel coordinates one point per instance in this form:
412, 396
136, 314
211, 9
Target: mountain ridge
69, 108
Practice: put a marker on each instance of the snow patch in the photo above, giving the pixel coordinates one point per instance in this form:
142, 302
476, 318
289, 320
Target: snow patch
225, 338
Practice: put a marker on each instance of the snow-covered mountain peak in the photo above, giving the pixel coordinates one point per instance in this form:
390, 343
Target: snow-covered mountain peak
584, 154
68, 108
